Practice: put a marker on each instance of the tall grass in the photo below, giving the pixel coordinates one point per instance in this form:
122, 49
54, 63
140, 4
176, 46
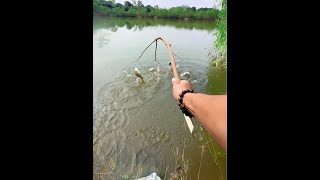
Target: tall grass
217, 78
214, 150
221, 42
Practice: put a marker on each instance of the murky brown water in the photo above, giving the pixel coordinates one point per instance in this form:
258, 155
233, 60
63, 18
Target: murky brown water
137, 127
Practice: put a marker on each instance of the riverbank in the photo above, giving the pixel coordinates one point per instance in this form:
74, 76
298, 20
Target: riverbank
109, 8
217, 74
221, 43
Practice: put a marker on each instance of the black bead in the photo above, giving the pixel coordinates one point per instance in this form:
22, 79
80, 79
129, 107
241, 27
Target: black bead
180, 103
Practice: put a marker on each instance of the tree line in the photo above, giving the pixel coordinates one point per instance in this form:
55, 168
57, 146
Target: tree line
138, 9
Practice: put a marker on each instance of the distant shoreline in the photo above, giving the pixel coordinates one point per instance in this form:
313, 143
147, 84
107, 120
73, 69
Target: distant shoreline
138, 10
99, 14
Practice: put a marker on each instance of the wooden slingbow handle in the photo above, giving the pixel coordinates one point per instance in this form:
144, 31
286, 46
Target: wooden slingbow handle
173, 62
176, 77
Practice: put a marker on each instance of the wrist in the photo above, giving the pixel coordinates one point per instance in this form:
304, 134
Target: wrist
181, 103
187, 101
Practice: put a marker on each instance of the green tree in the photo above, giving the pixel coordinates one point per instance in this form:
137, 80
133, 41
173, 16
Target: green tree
118, 5
109, 4
109, 7
184, 6
148, 8
127, 3
139, 4
134, 2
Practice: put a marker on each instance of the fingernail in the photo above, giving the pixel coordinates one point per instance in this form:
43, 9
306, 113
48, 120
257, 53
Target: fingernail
172, 79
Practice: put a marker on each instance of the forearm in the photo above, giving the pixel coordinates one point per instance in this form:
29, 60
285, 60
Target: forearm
211, 111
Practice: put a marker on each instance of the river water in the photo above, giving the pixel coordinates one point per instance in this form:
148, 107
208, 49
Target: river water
137, 127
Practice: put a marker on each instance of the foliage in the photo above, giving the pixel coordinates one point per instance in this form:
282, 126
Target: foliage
222, 27
137, 9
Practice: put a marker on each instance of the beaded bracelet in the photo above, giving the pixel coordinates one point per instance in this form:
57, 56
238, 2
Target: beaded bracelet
181, 105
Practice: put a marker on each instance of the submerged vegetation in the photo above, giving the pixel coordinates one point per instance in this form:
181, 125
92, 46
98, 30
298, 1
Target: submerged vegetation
137, 9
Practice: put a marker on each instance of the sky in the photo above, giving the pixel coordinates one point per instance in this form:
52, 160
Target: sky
174, 3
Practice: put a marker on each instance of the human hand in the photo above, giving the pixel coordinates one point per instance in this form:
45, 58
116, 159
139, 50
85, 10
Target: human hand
178, 86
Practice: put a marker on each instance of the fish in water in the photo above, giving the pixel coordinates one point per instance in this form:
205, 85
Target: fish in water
177, 66
185, 74
138, 74
139, 81
152, 69
194, 81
